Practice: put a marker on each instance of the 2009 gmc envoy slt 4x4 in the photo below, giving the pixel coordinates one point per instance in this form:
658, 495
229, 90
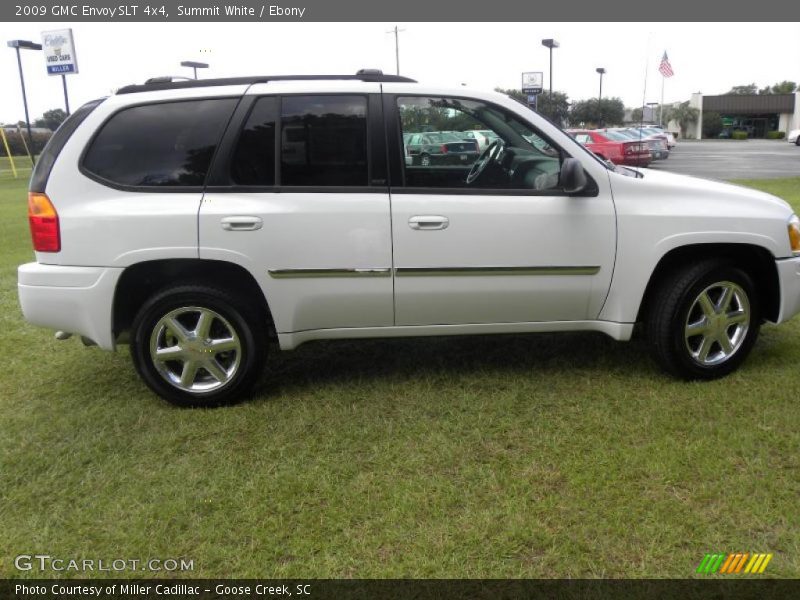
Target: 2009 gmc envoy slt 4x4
196, 220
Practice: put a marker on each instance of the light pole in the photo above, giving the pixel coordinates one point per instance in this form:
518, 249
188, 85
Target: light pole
194, 65
602, 72
26, 45
550, 43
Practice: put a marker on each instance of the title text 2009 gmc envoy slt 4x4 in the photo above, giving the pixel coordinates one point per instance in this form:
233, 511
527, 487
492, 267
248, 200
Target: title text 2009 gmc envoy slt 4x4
197, 220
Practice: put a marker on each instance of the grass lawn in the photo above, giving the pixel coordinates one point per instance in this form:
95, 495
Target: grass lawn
564, 455
22, 164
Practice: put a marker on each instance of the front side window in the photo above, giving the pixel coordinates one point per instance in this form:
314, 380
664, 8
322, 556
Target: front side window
324, 141
164, 144
463, 143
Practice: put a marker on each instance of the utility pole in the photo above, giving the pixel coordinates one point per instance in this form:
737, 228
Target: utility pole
396, 32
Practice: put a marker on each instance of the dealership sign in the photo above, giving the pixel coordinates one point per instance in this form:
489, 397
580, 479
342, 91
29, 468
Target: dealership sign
532, 82
59, 52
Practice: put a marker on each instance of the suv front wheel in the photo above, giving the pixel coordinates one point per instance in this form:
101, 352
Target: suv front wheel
704, 320
198, 346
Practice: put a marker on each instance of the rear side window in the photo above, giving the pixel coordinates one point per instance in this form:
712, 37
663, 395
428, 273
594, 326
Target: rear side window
41, 173
324, 141
164, 144
253, 160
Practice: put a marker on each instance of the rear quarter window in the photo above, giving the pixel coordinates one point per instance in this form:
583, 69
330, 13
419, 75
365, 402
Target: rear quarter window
162, 144
41, 172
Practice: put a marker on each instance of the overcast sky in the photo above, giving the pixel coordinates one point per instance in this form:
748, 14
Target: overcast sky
707, 57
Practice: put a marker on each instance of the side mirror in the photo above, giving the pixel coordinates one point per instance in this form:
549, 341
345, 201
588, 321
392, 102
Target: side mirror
573, 177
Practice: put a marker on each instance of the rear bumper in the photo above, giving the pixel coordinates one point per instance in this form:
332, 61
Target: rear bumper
634, 161
77, 300
789, 278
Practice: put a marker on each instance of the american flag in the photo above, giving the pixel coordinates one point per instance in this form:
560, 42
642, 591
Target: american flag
665, 68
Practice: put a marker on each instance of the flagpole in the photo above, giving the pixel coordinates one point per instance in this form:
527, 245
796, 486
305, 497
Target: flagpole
661, 107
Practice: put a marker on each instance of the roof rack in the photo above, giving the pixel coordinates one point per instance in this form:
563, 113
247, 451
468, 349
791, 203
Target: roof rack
171, 83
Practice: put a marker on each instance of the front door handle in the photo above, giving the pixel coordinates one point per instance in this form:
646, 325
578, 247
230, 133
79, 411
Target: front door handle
425, 222
243, 223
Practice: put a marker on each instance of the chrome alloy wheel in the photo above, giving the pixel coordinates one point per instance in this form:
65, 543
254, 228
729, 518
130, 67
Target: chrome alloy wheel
195, 349
717, 323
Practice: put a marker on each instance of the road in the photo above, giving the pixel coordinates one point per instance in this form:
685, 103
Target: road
733, 159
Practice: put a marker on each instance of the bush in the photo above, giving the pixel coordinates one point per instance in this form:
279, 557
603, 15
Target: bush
712, 124
739, 135
776, 135
16, 146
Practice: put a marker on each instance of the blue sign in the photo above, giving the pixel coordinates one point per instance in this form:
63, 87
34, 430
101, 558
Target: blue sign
60, 69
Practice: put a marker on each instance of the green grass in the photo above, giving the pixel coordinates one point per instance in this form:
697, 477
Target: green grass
564, 455
22, 164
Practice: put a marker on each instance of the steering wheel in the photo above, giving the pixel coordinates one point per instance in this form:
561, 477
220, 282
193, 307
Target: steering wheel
490, 155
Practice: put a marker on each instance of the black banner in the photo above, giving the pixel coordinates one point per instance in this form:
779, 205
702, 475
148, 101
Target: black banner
402, 589
407, 11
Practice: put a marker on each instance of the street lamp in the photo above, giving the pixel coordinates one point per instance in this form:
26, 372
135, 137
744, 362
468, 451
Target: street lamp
550, 43
25, 45
194, 65
602, 72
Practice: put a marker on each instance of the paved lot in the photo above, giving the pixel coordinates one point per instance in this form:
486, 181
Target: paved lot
729, 159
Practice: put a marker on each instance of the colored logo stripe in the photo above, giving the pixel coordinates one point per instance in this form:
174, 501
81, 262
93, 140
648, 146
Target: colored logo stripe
734, 563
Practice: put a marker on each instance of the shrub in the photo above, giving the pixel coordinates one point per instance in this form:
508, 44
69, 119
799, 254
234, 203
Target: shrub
776, 135
739, 135
712, 124
16, 146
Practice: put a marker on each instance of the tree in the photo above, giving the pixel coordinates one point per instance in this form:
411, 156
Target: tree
51, 119
741, 90
685, 115
712, 124
608, 111
556, 110
784, 87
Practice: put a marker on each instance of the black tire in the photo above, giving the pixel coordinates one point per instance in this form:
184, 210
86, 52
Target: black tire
676, 299
797, 141
232, 322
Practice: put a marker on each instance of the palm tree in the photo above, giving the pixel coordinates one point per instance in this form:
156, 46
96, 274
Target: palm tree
684, 115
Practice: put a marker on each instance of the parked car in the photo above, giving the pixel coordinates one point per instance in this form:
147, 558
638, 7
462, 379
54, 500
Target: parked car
651, 134
176, 217
481, 138
441, 148
671, 141
658, 147
610, 146
794, 137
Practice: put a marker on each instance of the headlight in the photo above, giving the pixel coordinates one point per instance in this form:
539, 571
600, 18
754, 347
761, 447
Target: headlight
794, 234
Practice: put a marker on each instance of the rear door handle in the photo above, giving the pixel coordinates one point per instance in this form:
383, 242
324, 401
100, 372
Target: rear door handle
425, 222
243, 223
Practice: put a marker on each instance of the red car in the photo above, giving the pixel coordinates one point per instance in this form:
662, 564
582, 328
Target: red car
619, 151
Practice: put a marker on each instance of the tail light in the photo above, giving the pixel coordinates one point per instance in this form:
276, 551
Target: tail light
43, 220
443, 149
635, 148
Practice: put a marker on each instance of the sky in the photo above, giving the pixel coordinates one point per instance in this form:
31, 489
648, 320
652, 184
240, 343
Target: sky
706, 57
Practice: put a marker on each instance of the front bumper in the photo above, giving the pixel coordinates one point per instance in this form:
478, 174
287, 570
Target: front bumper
789, 279
77, 300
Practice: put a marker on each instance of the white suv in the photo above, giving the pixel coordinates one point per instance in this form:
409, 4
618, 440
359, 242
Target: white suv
198, 220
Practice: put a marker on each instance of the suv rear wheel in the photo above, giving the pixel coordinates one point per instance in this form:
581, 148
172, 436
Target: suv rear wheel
198, 346
704, 320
